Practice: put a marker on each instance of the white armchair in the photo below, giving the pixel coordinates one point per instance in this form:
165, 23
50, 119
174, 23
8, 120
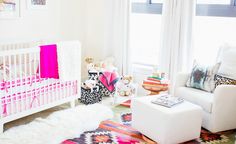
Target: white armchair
219, 108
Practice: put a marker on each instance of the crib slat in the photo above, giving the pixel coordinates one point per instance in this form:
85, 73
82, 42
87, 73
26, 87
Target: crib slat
16, 75
21, 84
55, 90
11, 87
49, 96
66, 89
42, 94
30, 81
4, 78
35, 78
26, 81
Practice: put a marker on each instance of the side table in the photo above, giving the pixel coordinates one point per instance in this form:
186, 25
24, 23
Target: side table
155, 90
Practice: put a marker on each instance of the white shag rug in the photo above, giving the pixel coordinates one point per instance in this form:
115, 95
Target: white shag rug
59, 126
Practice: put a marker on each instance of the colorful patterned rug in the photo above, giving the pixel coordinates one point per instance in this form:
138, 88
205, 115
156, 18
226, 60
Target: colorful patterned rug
119, 131
126, 118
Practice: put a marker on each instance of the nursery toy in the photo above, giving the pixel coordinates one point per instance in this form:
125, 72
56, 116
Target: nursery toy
108, 64
105, 65
90, 64
92, 83
125, 86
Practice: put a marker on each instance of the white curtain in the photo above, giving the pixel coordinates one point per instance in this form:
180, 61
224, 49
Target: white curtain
116, 32
176, 47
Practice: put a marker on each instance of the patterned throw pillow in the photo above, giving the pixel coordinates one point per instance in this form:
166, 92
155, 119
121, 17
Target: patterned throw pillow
221, 80
202, 77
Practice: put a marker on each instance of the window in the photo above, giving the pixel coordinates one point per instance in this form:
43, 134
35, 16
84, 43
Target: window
147, 6
215, 23
214, 26
214, 2
156, 1
145, 30
218, 8
224, 8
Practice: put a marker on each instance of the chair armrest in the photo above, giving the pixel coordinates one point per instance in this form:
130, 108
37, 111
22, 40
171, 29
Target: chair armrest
225, 93
180, 81
223, 110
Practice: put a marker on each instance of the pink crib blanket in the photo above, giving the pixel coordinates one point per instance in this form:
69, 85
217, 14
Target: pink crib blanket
109, 79
48, 61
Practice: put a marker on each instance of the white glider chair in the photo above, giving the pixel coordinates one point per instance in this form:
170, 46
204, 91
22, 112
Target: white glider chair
219, 107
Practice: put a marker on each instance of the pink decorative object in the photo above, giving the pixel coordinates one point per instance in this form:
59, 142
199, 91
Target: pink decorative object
48, 61
109, 79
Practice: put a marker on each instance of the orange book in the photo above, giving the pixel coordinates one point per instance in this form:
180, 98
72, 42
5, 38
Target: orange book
155, 85
151, 82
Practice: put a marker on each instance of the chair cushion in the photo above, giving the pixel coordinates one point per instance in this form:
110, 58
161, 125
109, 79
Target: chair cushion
198, 97
202, 77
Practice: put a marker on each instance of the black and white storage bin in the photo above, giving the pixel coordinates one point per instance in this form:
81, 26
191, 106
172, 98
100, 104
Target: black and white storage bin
105, 92
88, 97
94, 75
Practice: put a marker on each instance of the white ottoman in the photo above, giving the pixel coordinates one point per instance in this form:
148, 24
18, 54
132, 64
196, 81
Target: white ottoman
174, 125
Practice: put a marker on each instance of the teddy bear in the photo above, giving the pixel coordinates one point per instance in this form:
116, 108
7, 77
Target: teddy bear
104, 65
108, 64
125, 87
91, 65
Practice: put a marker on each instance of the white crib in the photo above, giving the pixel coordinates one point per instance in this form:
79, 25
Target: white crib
22, 91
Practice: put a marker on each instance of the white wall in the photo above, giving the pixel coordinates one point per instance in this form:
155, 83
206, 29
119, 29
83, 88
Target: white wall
95, 28
73, 21
94, 31
32, 24
62, 19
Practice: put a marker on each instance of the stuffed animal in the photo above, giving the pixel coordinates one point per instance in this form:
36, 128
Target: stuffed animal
90, 64
92, 83
105, 65
125, 86
108, 64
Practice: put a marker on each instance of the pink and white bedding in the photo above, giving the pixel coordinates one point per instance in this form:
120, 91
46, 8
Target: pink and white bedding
23, 88
32, 91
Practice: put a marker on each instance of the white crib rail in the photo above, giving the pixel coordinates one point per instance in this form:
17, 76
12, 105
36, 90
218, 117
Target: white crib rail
16, 65
20, 45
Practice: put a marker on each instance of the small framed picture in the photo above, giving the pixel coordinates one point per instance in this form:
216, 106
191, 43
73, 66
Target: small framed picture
9, 9
37, 4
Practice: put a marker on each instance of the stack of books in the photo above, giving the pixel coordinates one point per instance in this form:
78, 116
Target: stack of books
155, 83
